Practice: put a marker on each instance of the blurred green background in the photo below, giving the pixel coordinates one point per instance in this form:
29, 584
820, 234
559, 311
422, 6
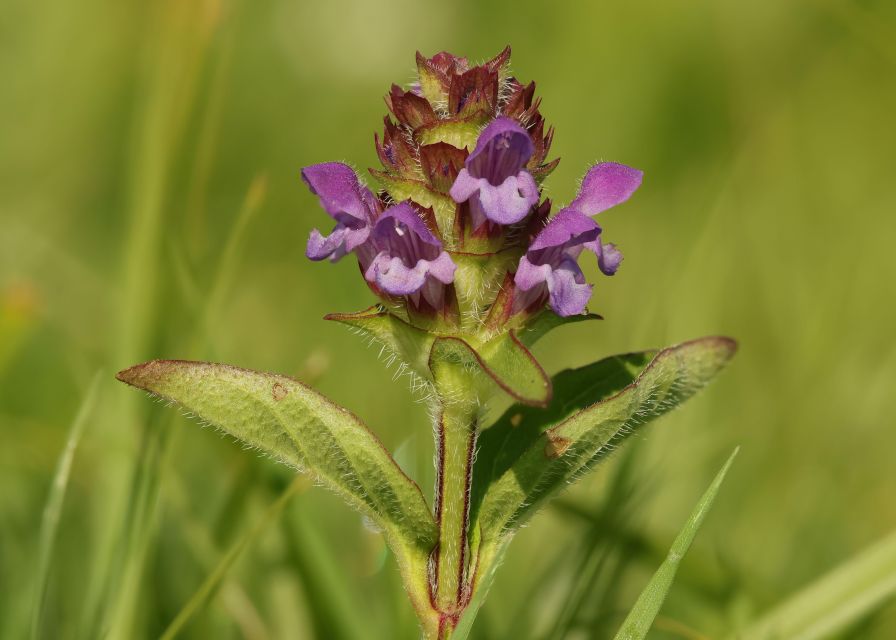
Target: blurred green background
150, 206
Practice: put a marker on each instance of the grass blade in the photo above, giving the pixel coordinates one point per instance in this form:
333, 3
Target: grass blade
214, 579
53, 508
838, 599
642, 615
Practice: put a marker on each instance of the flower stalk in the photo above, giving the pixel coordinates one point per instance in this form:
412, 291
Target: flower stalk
457, 430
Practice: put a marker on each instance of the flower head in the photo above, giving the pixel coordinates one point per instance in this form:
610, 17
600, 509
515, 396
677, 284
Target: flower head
459, 212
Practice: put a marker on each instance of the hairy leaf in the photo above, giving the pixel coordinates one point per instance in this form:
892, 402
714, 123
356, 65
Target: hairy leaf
531, 454
639, 620
548, 321
407, 343
301, 428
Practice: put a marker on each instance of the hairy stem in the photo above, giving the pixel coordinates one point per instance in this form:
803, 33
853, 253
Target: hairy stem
457, 438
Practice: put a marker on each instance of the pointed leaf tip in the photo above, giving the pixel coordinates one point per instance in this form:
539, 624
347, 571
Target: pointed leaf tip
299, 427
529, 454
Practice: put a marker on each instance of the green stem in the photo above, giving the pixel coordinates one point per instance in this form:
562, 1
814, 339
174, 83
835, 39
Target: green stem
457, 439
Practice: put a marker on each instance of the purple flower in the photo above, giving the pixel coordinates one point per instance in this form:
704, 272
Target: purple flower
409, 259
494, 179
550, 268
346, 200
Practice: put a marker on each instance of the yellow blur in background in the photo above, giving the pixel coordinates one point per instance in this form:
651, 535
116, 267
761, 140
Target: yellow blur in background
151, 206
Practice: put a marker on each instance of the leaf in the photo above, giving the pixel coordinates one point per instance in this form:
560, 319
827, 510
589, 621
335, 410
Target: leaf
529, 455
642, 615
503, 359
408, 343
301, 428
827, 606
548, 321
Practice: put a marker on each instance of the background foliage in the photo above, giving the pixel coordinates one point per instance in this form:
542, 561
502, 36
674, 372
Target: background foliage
150, 206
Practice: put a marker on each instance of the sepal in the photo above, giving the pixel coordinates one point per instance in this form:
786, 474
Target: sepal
503, 361
408, 344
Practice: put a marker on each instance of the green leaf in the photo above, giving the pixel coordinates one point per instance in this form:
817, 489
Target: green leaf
301, 428
529, 455
548, 321
407, 343
642, 615
829, 605
505, 361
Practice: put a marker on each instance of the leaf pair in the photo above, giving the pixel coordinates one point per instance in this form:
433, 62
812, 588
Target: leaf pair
524, 459
503, 361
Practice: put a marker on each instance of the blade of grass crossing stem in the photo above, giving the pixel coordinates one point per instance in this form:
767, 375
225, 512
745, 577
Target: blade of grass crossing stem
53, 508
214, 579
833, 602
642, 615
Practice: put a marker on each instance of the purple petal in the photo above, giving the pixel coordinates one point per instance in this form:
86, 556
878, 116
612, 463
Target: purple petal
465, 185
409, 255
569, 293
507, 203
332, 246
567, 228
606, 185
529, 275
341, 194
565, 282
511, 201
401, 217
609, 259
392, 275
502, 150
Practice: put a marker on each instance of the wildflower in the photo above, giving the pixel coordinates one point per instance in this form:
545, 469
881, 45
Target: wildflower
494, 178
549, 270
409, 259
346, 200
